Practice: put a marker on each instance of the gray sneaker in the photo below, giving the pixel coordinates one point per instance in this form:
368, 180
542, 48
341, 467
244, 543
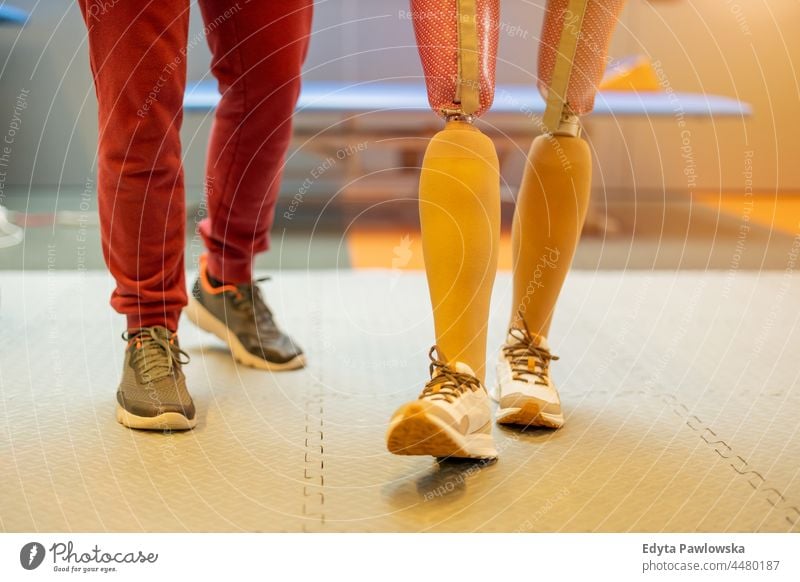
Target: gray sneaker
238, 315
10, 234
152, 394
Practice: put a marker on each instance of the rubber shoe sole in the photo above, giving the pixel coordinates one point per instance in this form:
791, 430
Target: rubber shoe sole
202, 318
162, 422
530, 414
9, 240
414, 432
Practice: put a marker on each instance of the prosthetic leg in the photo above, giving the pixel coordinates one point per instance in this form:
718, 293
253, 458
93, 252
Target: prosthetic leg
459, 197
552, 203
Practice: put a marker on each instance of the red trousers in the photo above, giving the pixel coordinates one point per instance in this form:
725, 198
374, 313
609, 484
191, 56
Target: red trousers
138, 54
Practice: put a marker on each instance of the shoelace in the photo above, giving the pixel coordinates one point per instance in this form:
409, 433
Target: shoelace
249, 297
155, 356
521, 353
445, 381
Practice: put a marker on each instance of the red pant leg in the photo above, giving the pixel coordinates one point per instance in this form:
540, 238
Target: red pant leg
258, 50
138, 62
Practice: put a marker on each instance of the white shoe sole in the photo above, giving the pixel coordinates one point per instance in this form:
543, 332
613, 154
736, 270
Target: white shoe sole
530, 414
162, 422
11, 239
202, 318
416, 433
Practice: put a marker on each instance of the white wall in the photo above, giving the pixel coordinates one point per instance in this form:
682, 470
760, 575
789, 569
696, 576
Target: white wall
741, 48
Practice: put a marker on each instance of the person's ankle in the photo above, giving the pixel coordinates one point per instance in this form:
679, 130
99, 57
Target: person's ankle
134, 331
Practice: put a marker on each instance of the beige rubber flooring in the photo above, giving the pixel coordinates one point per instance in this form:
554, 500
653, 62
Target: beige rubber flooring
682, 395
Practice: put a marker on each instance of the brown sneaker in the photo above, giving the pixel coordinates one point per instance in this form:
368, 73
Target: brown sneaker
152, 394
238, 315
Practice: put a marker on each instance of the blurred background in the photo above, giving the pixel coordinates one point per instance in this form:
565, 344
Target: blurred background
731, 200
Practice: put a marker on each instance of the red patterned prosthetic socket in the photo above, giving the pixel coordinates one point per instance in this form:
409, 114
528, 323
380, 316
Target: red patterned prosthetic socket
457, 41
594, 37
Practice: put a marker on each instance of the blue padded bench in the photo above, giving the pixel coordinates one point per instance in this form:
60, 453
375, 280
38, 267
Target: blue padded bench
12, 15
348, 113
331, 97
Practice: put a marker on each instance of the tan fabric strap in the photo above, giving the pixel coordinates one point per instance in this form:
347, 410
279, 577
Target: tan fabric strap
562, 70
468, 88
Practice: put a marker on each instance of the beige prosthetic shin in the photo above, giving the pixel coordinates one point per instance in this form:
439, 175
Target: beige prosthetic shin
459, 197
551, 208
459, 191
556, 185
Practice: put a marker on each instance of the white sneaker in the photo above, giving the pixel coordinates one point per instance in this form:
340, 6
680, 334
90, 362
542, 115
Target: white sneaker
451, 418
10, 234
525, 390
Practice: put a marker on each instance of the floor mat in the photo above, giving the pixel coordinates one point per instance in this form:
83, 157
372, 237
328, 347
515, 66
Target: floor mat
681, 393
